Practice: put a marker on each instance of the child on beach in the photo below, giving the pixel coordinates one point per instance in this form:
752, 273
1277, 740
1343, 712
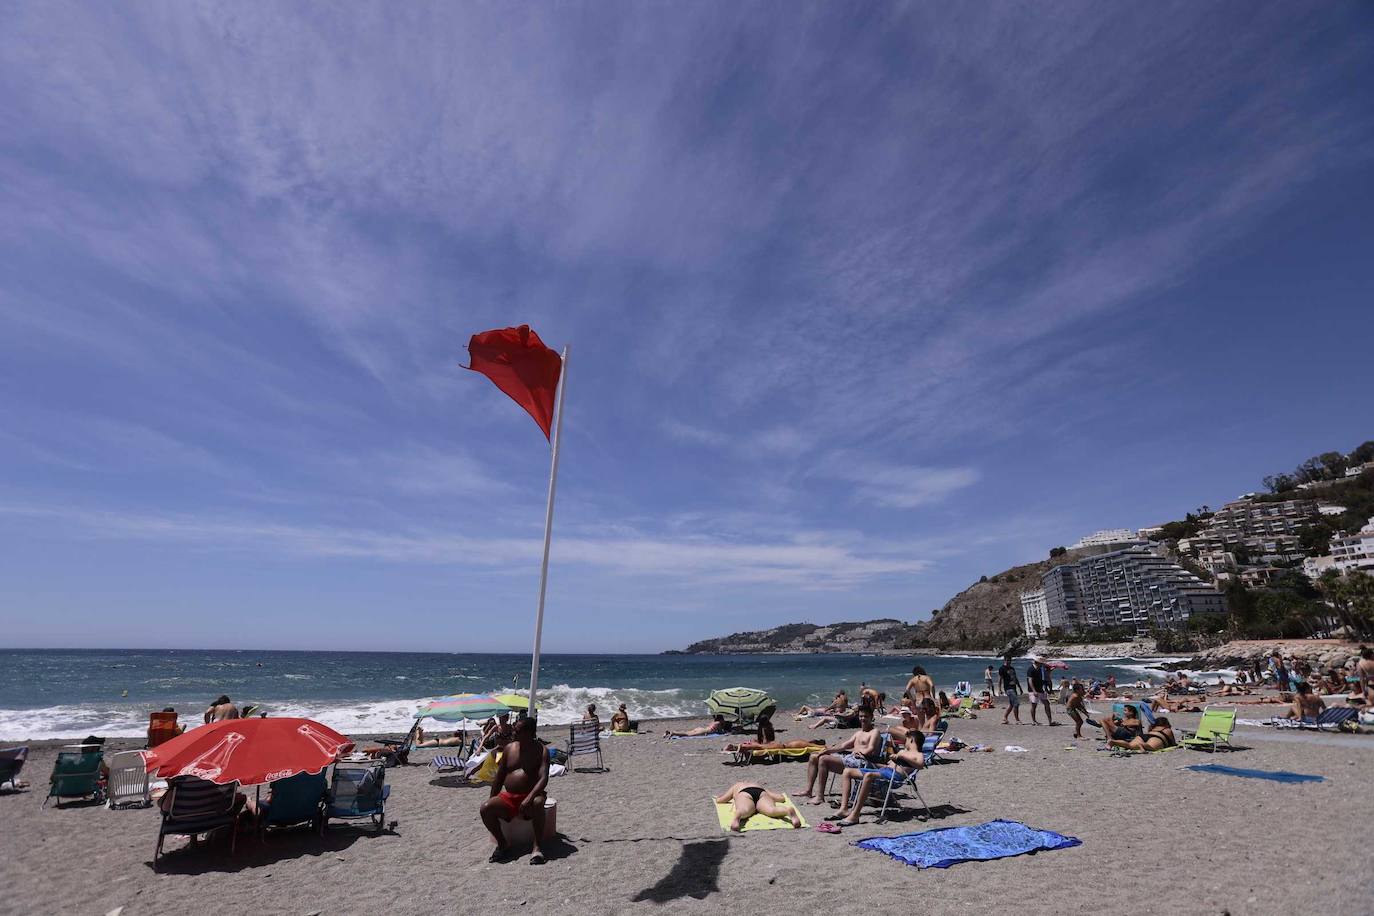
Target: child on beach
750, 798
1078, 710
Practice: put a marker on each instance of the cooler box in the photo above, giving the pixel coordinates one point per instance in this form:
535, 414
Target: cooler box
520, 832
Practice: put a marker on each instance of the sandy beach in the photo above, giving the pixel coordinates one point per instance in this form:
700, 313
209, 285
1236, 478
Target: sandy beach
1156, 838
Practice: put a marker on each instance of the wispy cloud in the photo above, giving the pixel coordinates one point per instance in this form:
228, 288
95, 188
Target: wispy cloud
811, 560
901, 487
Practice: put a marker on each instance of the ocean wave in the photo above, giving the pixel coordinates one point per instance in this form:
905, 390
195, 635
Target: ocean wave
559, 704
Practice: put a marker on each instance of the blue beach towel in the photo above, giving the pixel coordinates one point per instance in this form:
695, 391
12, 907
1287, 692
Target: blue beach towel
1273, 775
948, 846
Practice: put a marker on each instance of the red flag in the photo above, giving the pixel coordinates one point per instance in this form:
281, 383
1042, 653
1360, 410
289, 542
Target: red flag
518, 363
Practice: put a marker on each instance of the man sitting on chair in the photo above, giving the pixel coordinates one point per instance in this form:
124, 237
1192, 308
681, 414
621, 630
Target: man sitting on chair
518, 791
899, 766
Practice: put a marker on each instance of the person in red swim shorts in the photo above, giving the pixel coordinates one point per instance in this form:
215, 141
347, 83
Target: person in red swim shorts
517, 790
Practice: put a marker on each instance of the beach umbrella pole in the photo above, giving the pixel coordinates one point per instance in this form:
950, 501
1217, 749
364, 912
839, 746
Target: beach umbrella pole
548, 535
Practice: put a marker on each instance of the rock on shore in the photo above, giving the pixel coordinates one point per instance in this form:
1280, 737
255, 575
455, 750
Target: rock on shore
1321, 654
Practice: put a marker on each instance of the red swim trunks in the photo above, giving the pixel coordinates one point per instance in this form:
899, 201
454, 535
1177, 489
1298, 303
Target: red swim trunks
512, 801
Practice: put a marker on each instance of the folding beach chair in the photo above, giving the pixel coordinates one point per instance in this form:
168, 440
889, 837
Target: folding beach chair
294, 801
197, 806
11, 762
355, 793
890, 783
162, 726
1333, 718
399, 751
585, 738
1330, 720
127, 785
1213, 730
76, 774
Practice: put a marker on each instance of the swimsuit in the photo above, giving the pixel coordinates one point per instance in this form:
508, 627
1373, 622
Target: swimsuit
513, 800
753, 792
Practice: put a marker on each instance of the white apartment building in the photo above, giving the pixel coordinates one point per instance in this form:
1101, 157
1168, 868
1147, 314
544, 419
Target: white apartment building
1354, 551
1107, 537
1035, 612
1348, 551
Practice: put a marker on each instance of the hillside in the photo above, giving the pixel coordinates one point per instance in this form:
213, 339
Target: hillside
866, 636
987, 614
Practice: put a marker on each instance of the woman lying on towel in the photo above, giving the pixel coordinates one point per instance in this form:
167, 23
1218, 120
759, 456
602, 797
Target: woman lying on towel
718, 726
748, 746
750, 798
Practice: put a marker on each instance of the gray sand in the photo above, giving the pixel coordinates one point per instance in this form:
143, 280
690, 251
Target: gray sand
643, 837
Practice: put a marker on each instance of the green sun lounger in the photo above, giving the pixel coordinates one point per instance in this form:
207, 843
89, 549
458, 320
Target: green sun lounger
1214, 730
76, 774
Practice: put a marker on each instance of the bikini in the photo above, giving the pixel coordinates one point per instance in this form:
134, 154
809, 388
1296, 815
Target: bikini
754, 792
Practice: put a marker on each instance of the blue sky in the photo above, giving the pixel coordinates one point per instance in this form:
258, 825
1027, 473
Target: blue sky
863, 302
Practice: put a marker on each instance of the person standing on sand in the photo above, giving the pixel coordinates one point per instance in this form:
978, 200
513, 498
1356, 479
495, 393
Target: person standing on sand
920, 686
1038, 679
517, 790
1011, 686
989, 678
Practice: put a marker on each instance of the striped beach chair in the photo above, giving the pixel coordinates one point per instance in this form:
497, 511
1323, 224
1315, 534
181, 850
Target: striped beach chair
197, 806
585, 738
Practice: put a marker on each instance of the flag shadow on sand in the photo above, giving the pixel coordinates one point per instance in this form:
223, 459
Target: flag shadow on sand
695, 874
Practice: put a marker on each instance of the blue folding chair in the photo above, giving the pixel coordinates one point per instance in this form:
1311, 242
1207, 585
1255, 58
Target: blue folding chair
294, 801
356, 793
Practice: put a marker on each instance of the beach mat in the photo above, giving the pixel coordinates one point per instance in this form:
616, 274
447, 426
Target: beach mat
726, 812
1271, 775
946, 846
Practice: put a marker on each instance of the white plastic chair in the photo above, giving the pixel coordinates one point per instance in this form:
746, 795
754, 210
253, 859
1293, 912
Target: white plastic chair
128, 781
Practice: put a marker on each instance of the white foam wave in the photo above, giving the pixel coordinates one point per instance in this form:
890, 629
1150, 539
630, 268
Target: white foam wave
559, 704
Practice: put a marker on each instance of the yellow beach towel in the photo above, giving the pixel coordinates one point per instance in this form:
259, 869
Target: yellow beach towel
726, 813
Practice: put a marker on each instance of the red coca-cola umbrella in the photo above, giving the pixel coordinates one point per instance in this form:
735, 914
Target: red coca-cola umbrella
248, 751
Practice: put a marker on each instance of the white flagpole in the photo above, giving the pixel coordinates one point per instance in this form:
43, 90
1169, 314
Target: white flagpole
548, 535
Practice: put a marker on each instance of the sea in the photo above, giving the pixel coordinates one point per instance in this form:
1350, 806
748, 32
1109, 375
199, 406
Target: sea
51, 693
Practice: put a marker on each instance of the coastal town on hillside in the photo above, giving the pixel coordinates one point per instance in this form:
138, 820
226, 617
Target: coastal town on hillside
1178, 577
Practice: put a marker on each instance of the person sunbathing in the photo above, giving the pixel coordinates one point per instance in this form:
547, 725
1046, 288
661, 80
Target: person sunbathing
718, 726
909, 724
1122, 730
927, 715
750, 798
898, 766
621, 721
496, 732
839, 704
454, 740
1306, 704
858, 750
799, 744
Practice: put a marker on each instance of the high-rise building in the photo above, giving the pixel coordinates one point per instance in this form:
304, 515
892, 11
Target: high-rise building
1035, 612
1133, 587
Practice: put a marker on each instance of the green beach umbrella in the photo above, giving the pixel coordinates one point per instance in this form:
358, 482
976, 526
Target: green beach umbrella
742, 704
463, 706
